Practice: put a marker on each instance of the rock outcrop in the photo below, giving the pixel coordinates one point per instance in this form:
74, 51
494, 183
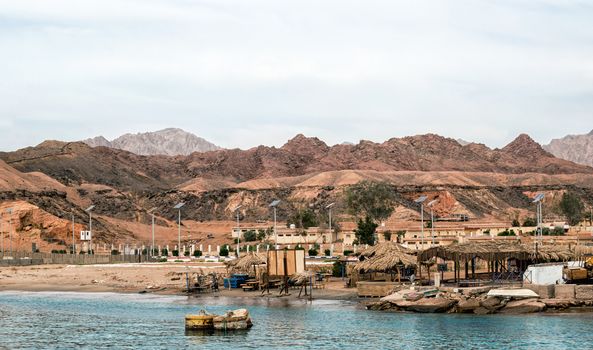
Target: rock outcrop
171, 142
576, 148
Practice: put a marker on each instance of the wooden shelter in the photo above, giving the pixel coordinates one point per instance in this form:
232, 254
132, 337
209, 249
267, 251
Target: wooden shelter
386, 257
510, 258
246, 263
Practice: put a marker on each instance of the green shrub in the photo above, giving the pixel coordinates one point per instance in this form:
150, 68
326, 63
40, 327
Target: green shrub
327, 252
313, 252
224, 251
348, 252
529, 222
163, 260
175, 252
197, 253
164, 252
337, 269
250, 236
115, 252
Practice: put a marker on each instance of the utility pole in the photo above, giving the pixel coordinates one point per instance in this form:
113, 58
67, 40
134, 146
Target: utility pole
238, 231
151, 212
274, 204
420, 201
73, 246
178, 207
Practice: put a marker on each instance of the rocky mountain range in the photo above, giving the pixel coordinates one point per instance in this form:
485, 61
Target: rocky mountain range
169, 142
576, 148
490, 184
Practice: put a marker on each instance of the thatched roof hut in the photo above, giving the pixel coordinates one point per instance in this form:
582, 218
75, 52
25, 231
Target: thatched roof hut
246, 262
385, 248
496, 251
386, 263
385, 257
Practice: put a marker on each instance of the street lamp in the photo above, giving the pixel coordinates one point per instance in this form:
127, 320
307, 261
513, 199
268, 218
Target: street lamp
178, 207
430, 204
329, 209
538, 213
88, 210
274, 204
420, 201
151, 212
238, 230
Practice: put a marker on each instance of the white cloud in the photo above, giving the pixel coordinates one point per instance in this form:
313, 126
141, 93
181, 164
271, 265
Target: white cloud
242, 73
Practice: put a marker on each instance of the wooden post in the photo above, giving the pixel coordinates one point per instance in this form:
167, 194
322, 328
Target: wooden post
466, 268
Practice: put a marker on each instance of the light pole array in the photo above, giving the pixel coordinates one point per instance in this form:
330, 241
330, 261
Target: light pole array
274, 204
430, 204
178, 207
329, 209
238, 230
88, 210
538, 213
151, 212
420, 201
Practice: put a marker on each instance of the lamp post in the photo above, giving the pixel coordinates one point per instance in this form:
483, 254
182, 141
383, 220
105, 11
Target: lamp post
238, 230
88, 210
151, 212
274, 204
538, 213
430, 204
420, 201
329, 209
178, 207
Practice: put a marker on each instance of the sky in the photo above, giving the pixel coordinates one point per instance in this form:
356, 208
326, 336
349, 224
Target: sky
243, 73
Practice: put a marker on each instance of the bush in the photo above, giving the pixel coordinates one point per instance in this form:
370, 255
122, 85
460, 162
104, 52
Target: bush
175, 252
163, 260
164, 252
145, 251
313, 252
197, 253
115, 252
224, 251
327, 252
516, 223
529, 222
250, 236
348, 252
507, 233
186, 253
155, 251
387, 235
337, 269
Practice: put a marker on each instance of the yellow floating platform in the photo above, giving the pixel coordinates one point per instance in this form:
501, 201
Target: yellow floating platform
201, 321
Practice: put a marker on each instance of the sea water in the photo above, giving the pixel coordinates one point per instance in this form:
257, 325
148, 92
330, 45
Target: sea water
128, 321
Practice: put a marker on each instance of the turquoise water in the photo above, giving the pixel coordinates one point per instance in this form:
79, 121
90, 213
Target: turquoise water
120, 321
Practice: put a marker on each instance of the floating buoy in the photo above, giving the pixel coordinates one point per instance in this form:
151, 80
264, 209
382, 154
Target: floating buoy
232, 320
202, 320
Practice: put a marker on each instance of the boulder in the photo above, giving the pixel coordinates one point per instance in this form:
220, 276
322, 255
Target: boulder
474, 291
557, 303
584, 292
564, 291
524, 306
491, 303
428, 305
468, 305
482, 311
397, 296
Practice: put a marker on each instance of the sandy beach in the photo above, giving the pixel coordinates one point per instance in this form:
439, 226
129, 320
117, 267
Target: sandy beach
135, 278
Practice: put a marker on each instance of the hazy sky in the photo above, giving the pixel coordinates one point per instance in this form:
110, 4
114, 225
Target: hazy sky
247, 72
